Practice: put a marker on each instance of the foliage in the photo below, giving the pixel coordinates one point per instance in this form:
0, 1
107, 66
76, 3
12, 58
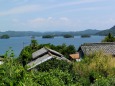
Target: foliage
85, 36
55, 77
54, 63
109, 38
31, 33
12, 73
95, 70
4, 37
34, 43
47, 36
26, 53
68, 36
107, 31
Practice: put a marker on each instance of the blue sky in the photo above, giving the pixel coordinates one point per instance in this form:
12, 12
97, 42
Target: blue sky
56, 15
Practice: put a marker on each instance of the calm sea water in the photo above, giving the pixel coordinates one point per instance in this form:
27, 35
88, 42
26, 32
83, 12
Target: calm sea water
17, 43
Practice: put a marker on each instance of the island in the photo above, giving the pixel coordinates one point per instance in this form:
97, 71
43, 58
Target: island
85, 36
48, 36
68, 36
4, 37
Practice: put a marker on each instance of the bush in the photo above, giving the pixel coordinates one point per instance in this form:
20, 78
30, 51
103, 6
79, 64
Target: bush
93, 67
54, 77
12, 73
109, 38
95, 70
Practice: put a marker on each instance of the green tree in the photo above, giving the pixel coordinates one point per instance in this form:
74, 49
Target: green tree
34, 43
109, 38
26, 53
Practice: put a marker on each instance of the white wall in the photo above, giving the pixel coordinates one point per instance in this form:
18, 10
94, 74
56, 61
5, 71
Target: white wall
1, 62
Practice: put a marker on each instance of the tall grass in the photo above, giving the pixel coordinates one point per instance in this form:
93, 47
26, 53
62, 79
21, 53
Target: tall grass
95, 67
95, 70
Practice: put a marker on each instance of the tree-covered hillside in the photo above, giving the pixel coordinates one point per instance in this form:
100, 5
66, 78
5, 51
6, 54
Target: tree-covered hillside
106, 32
56, 33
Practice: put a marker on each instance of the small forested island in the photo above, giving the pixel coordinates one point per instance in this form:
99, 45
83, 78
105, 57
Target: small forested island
85, 36
48, 36
68, 36
4, 37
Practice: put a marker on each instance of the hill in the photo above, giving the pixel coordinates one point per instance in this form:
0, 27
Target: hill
106, 32
88, 32
57, 33
20, 33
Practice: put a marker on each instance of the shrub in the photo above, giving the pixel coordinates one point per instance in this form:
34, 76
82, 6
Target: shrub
95, 66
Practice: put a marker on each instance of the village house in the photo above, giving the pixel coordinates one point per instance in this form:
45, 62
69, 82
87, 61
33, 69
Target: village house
42, 55
90, 48
75, 57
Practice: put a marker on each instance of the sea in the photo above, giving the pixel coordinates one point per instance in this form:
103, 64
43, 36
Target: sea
18, 43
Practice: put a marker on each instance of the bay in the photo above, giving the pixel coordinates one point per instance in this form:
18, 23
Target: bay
17, 43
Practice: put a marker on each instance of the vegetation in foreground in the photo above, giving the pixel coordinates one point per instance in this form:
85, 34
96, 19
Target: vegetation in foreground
95, 70
26, 53
109, 38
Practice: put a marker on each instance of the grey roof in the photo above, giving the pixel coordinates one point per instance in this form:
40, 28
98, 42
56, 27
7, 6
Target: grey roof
43, 55
89, 48
38, 61
53, 51
39, 52
43, 51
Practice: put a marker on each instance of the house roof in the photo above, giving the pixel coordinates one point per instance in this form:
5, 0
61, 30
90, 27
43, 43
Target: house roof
43, 51
38, 61
75, 56
43, 55
107, 47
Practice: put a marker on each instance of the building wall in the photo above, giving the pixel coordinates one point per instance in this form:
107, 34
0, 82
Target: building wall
1, 62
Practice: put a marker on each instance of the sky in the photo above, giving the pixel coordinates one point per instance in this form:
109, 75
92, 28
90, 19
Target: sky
56, 15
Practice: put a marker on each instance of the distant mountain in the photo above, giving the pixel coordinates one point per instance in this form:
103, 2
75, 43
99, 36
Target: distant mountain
106, 32
74, 33
20, 33
31, 33
88, 32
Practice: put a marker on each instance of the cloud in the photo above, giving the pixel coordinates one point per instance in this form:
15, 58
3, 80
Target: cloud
21, 9
36, 8
64, 19
49, 22
74, 3
15, 20
86, 9
20, 0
